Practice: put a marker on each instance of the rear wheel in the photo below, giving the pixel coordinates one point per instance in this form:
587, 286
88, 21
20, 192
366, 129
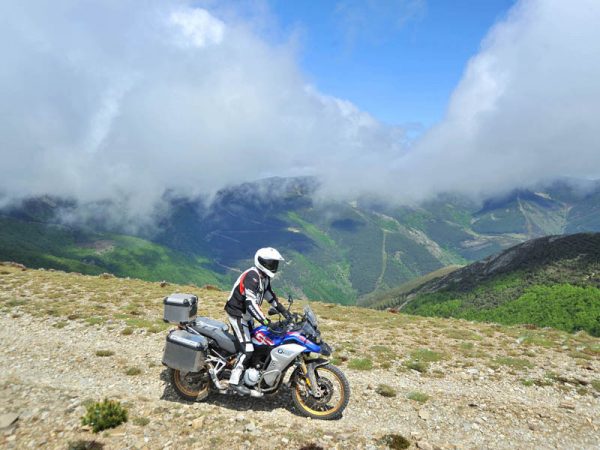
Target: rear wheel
191, 386
335, 394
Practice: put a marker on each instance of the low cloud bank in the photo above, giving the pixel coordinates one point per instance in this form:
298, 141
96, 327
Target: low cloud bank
109, 100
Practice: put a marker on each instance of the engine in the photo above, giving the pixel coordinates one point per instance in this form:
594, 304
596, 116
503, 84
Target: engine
251, 376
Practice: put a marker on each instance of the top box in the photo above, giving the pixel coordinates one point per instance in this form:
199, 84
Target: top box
180, 308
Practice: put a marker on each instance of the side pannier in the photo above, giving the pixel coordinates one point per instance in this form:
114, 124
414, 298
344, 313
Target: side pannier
180, 308
185, 351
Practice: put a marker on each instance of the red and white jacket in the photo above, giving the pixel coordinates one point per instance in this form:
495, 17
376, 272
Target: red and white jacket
248, 293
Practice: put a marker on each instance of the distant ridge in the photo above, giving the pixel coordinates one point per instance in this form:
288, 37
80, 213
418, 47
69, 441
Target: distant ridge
549, 281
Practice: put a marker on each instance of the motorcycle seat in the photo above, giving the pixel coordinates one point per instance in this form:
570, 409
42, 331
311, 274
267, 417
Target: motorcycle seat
218, 331
212, 323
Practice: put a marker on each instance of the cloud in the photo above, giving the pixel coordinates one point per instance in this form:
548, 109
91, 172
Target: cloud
111, 100
198, 26
526, 110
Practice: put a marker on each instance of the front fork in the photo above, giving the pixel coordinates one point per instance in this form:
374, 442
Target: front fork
308, 375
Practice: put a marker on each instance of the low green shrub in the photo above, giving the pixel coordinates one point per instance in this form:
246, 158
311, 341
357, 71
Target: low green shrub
394, 441
426, 355
417, 396
133, 371
419, 366
104, 353
385, 391
85, 445
103, 415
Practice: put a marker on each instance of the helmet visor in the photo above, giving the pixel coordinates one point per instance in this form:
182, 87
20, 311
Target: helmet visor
269, 264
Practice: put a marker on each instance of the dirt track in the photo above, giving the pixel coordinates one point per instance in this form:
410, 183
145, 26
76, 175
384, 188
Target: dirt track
48, 372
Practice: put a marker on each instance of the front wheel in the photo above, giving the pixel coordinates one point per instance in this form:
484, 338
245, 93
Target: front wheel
335, 391
191, 386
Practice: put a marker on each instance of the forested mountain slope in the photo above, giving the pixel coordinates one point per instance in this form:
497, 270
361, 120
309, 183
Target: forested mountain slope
550, 281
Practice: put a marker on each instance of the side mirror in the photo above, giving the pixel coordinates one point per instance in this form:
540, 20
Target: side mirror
272, 311
290, 299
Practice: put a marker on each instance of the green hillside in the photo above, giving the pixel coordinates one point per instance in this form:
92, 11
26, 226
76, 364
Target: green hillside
552, 281
59, 247
336, 251
380, 299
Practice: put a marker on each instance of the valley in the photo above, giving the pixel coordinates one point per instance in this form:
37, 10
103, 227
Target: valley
336, 251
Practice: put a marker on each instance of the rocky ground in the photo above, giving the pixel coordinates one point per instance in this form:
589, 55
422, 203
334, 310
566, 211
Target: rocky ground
478, 386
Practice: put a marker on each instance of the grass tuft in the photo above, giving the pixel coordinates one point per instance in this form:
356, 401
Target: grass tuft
360, 364
394, 441
104, 353
515, 363
417, 396
85, 445
385, 391
141, 421
132, 371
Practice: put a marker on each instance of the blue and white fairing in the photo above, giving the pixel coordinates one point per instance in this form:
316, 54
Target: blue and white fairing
262, 335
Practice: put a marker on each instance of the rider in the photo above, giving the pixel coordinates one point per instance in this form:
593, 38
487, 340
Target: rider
251, 288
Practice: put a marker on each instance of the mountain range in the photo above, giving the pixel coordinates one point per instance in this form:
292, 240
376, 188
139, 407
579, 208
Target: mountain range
337, 251
550, 281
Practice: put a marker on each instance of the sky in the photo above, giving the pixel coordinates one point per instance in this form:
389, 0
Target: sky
402, 100
397, 60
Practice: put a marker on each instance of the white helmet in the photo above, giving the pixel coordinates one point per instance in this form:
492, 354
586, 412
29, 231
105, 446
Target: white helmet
267, 260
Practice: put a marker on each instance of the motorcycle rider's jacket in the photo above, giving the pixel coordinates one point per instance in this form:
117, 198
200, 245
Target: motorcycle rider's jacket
247, 296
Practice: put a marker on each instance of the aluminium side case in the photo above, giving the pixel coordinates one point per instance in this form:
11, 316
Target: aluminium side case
185, 351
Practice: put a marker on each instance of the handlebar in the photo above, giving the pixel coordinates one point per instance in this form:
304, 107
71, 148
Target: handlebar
286, 324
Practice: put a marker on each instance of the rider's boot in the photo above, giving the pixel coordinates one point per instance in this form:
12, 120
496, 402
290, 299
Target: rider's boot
234, 381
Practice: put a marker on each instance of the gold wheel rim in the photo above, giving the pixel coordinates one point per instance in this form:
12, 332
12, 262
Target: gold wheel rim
185, 389
329, 411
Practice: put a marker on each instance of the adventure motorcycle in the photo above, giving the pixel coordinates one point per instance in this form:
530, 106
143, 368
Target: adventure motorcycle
201, 354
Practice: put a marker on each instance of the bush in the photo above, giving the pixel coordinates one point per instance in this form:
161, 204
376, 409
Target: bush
103, 353
103, 415
395, 441
360, 364
385, 391
85, 445
596, 385
127, 331
133, 371
419, 366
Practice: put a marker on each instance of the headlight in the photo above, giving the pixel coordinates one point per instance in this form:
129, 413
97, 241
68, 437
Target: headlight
325, 349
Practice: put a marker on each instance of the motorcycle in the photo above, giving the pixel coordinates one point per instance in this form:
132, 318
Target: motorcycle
201, 353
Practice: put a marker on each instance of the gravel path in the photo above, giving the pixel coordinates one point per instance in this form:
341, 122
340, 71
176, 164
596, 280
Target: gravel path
48, 372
